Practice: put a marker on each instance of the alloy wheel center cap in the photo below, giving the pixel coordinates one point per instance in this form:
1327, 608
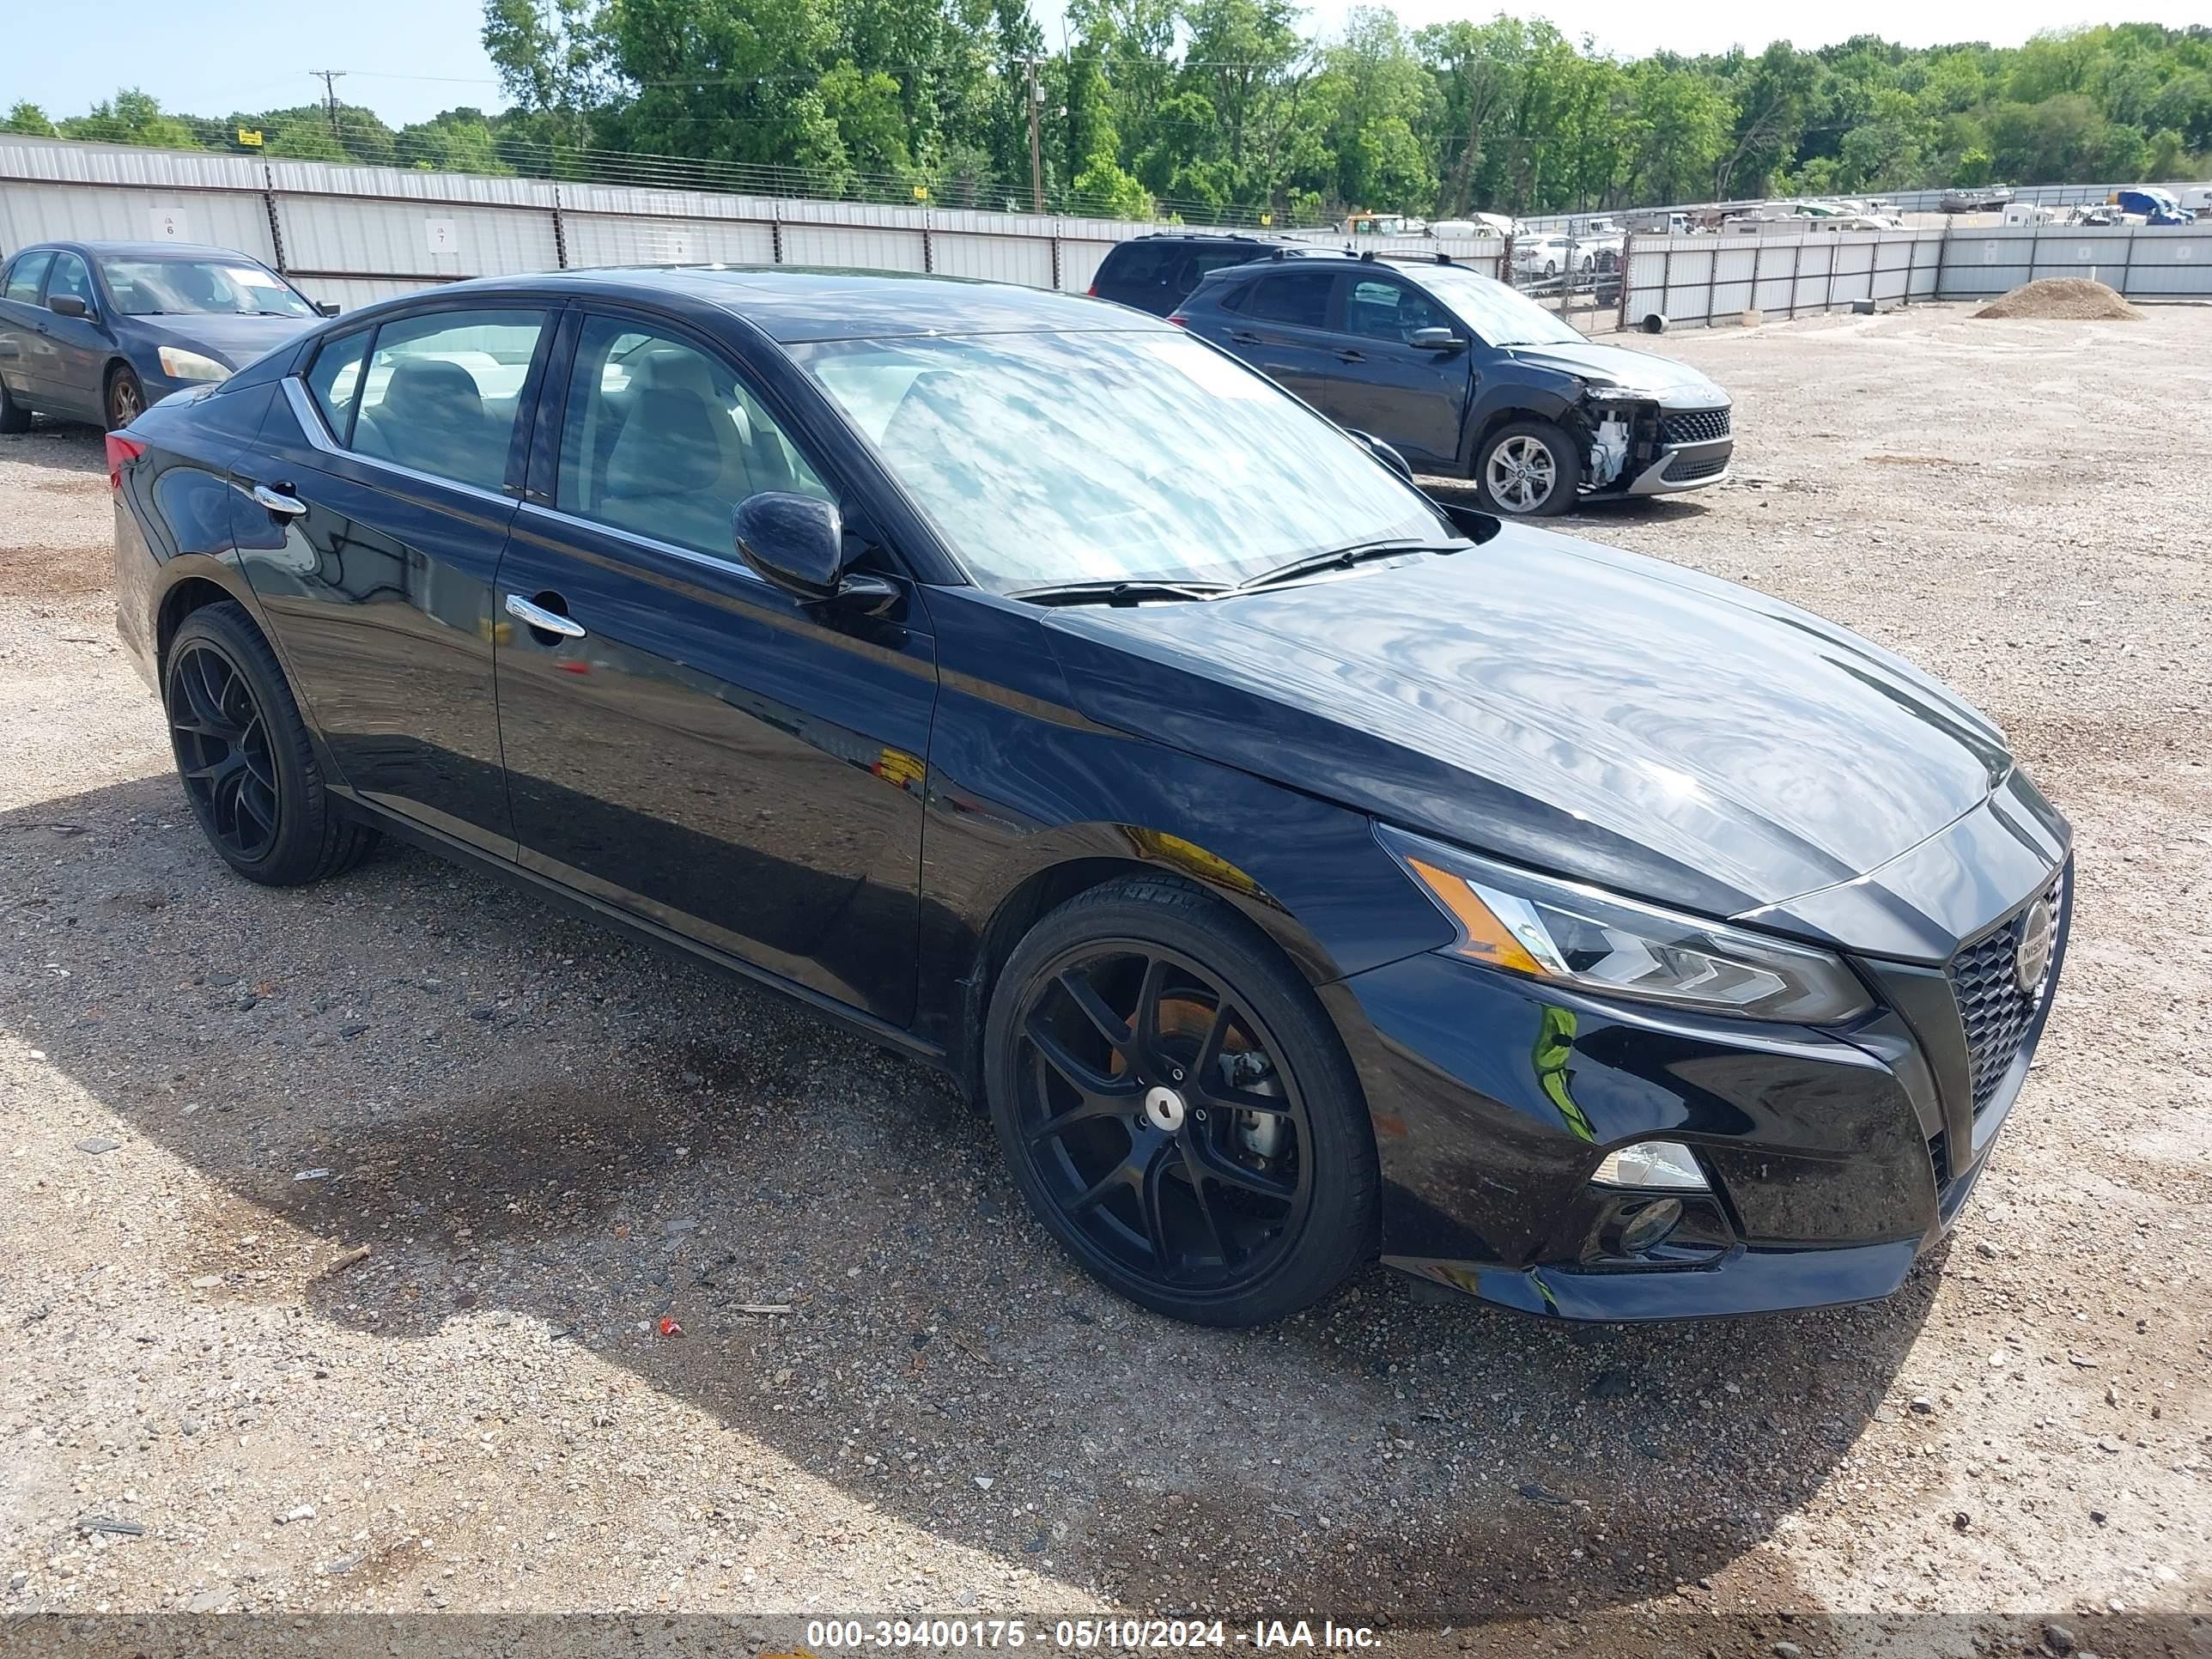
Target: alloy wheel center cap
1163, 1108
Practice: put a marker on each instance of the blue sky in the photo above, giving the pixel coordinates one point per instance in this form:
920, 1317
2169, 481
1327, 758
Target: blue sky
409, 59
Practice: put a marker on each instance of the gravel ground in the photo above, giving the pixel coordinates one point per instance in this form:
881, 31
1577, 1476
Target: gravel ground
337, 1222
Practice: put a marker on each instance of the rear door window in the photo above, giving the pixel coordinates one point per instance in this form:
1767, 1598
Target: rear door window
1298, 299
442, 392
25, 276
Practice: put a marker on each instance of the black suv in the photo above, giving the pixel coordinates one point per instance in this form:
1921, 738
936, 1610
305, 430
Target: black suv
1157, 272
1467, 378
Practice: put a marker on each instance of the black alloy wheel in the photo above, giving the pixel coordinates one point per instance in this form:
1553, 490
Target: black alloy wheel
221, 740
1191, 1133
126, 398
243, 755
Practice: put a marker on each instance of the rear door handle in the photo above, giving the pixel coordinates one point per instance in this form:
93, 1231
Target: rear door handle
278, 502
537, 616
1244, 336
1348, 356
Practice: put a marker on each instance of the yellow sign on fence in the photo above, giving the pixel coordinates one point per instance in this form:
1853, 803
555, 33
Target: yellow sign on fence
250, 135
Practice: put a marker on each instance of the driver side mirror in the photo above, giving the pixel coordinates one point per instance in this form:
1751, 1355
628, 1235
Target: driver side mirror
797, 543
1434, 339
68, 305
324, 307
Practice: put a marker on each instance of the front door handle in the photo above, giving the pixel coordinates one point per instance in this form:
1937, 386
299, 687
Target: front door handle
537, 616
1348, 356
1244, 336
278, 502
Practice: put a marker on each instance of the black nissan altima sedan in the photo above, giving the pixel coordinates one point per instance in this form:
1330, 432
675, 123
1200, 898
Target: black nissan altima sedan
1298, 870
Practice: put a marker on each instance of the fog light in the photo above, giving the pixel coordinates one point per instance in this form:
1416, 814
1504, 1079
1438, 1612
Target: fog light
1649, 1226
1652, 1165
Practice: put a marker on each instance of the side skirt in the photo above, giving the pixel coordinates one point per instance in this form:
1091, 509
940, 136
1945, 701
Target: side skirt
651, 932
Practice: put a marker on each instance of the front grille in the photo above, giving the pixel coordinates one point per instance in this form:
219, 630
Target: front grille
1992, 1008
1683, 469
1693, 426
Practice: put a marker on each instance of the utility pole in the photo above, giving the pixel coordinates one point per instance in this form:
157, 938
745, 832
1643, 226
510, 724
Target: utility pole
1036, 153
329, 78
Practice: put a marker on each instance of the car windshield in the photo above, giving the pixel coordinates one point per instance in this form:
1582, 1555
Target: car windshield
1082, 457
1496, 313
225, 287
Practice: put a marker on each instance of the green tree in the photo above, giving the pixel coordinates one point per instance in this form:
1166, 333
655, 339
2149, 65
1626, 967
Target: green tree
133, 117
28, 118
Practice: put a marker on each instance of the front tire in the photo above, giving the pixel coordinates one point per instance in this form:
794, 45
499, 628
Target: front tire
13, 417
244, 756
1176, 1107
1527, 470
127, 397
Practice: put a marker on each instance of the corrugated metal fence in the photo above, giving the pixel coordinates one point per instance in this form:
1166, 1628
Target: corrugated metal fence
355, 234
1702, 279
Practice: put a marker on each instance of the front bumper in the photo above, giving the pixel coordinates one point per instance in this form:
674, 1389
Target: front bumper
1829, 1154
1684, 466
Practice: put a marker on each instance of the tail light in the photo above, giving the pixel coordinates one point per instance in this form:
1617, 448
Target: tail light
120, 452
1091, 293
1178, 319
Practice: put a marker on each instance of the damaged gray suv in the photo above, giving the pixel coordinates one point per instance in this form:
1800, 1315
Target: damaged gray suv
1466, 377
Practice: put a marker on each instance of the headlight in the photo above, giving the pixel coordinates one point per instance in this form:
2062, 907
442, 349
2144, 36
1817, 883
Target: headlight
179, 364
1573, 935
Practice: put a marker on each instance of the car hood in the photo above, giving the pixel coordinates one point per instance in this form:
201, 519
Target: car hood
232, 341
1674, 383
1561, 705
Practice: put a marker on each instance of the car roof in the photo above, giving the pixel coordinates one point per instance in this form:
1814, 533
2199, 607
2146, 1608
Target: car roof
793, 305
149, 250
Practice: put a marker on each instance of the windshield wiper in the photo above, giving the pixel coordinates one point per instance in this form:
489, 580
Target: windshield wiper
1122, 591
1343, 558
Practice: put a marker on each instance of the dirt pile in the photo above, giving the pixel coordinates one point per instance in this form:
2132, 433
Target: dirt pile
2066, 299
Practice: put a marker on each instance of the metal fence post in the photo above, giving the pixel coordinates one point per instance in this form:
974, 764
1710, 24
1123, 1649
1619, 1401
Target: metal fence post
2127, 265
1627, 265
269, 202
1942, 260
559, 234
1796, 264
1667, 279
928, 252
1055, 262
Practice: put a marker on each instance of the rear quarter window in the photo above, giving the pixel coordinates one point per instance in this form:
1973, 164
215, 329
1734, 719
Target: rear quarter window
1138, 265
334, 382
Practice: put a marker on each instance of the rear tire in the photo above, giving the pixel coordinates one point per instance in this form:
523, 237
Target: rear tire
1176, 1107
13, 417
1528, 469
126, 398
245, 758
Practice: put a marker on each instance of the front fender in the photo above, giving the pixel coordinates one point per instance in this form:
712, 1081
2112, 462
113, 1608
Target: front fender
1526, 392
1023, 786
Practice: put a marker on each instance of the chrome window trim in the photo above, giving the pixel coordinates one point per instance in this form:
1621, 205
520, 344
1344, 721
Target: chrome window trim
319, 436
733, 565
